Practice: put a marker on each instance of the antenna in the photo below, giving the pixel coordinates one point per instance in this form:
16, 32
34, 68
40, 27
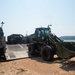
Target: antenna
49, 26
2, 24
26, 33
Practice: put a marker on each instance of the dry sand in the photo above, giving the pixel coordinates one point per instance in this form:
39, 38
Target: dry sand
37, 66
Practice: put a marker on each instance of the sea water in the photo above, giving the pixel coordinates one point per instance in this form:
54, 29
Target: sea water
69, 40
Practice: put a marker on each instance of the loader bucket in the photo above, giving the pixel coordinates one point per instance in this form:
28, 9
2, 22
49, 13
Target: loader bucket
66, 49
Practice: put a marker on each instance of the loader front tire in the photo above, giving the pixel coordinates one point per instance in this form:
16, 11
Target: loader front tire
47, 53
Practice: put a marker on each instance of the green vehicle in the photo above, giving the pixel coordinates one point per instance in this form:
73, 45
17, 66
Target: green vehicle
2, 43
48, 44
15, 39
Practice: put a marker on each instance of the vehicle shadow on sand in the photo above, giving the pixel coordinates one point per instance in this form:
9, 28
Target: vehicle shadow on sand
68, 66
65, 65
39, 59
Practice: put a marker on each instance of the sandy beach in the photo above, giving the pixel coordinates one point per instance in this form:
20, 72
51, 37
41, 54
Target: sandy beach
37, 66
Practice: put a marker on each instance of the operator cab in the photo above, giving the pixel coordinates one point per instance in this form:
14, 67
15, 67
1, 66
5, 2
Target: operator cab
45, 33
42, 32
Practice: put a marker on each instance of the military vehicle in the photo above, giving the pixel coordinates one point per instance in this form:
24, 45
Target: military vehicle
2, 43
15, 39
48, 44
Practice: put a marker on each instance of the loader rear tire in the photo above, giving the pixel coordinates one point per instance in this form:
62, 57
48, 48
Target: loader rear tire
47, 53
31, 49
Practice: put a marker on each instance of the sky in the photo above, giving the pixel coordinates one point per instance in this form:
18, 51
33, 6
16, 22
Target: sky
23, 16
